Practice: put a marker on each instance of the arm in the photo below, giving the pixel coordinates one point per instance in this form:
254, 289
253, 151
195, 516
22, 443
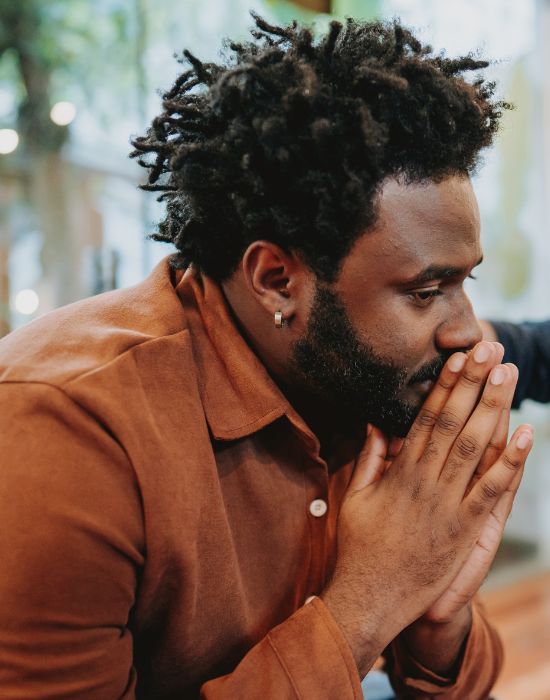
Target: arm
305, 657
527, 345
71, 547
468, 679
71, 544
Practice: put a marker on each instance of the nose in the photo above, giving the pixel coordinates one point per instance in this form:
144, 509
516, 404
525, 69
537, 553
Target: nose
460, 330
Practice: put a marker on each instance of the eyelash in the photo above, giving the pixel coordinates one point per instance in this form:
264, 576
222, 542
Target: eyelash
430, 294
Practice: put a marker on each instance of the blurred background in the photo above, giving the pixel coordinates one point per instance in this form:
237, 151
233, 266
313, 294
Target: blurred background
77, 78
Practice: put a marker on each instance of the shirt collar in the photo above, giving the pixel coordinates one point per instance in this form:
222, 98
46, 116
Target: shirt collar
238, 394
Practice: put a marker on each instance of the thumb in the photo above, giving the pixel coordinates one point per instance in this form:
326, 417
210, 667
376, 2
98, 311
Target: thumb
371, 462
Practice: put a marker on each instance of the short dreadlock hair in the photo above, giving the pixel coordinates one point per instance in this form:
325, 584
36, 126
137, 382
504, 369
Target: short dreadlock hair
290, 139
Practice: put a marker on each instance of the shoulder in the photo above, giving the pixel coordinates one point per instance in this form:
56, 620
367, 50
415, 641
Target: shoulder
77, 339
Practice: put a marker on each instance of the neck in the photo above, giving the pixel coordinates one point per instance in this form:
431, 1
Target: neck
339, 433
335, 429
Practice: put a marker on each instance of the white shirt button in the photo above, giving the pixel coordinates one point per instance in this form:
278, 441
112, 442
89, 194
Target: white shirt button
309, 599
318, 507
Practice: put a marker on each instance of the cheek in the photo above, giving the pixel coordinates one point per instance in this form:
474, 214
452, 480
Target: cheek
398, 336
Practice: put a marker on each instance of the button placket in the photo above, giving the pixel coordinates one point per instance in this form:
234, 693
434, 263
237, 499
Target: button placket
317, 508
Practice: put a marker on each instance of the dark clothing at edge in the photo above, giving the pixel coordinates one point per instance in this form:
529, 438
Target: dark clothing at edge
527, 345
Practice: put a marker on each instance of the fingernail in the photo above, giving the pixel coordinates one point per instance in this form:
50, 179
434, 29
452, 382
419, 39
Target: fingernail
497, 376
482, 353
524, 440
456, 363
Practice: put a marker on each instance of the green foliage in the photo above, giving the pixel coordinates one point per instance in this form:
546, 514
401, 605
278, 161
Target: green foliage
97, 55
61, 49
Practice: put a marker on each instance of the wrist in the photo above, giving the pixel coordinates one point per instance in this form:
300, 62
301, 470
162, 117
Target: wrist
439, 646
366, 634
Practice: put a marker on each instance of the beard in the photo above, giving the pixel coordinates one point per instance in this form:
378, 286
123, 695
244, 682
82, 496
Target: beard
331, 363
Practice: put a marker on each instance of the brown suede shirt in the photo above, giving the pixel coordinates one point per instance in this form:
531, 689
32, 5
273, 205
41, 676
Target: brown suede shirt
157, 533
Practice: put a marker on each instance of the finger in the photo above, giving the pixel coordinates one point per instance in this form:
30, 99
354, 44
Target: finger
500, 436
371, 462
421, 429
499, 478
469, 446
494, 527
460, 404
503, 506
396, 443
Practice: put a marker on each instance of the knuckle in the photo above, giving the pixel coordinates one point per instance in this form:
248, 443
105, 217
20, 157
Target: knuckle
490, 401
445, 383
430, 452
426, 419
511, 462
469, 379
466, 446
447, 422
416, 488
489, 490
476, 508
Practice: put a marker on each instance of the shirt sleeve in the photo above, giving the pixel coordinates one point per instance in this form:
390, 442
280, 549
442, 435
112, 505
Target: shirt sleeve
71, 544
306, 657
71, 549
527, 345
481, 662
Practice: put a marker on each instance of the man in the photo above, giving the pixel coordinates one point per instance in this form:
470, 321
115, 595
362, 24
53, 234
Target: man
189, 505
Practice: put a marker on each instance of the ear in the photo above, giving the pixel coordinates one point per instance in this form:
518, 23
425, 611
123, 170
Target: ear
275, 278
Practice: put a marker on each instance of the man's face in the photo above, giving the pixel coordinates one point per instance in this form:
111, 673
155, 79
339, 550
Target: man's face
378, 337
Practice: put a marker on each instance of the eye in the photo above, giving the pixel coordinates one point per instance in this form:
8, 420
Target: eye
424, 297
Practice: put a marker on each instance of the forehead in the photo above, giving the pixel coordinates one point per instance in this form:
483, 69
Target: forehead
419, 226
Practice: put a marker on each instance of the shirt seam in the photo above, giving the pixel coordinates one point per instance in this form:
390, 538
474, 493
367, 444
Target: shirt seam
284, 667
108, 363
98, 367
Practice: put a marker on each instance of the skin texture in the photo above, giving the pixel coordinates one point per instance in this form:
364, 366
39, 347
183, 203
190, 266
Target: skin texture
419, 226
347, 374
454, 477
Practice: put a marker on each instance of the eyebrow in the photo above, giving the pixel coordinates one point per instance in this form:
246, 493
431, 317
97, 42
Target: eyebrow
434, 272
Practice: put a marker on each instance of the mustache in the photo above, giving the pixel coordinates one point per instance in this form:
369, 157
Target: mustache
430, 371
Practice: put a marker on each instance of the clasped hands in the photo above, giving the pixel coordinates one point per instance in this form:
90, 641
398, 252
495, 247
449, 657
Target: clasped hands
418, 529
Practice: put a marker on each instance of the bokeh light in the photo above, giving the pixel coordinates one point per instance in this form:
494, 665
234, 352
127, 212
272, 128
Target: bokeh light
9, 140
26, 302
63, 113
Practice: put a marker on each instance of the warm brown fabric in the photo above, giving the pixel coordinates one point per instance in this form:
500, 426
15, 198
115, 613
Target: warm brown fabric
155, 534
